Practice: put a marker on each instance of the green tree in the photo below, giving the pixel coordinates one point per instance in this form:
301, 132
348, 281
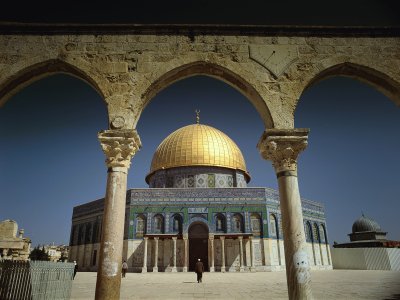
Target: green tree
39, 254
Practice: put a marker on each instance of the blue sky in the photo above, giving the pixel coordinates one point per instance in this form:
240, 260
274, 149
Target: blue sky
51, 160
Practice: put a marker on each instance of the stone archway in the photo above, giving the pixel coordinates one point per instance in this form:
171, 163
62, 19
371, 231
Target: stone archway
198, 244
377, 79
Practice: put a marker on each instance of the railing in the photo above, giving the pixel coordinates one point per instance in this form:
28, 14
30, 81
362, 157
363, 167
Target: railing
35, 280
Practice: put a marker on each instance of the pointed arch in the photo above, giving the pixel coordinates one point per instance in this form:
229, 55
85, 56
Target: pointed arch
215, 71
34, 72
381, 81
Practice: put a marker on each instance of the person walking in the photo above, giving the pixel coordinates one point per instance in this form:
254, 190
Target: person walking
199, 269
75, 269
124, 268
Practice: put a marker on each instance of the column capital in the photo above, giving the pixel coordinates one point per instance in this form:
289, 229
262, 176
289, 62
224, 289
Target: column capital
240, 238
222, 238
211, 236
185, 236
282, 147
119, 146
174, 238
145, 238
156, 238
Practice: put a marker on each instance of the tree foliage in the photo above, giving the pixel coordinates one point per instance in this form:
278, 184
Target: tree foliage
39, 254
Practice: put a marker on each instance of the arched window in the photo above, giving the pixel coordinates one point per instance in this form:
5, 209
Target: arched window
220, 223
322, 233
140, 226
316, 233
256, 224
237, 223
308, 232
272, 225
158, 224
177, 224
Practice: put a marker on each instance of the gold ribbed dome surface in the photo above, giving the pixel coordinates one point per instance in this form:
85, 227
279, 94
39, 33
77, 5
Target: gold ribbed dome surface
197, 145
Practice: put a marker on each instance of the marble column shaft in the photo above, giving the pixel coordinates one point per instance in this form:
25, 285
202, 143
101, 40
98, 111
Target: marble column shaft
119, 147
155, 268
253, 265
144, 268
211, 239
282, 147
174, 254
223, 267
185, 257
241, 253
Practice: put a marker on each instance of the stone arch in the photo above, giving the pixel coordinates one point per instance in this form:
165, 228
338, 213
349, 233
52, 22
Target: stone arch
195, 220
237, 223
316, 236
379, 80
159, 223
324, 238
26, 76
220, 222
308, 232
215, 71
256, 224
273, 226
177, 222
141, 225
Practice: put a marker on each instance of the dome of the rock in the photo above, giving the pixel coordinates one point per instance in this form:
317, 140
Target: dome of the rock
198, 145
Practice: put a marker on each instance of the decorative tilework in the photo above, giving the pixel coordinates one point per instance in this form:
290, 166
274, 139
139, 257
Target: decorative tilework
190, 181
211, 180
201, 180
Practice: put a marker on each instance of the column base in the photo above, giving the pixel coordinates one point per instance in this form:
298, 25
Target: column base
184, 269
223, 269
212, 269
155, 269
241, 269
253, 269
173, 269
144, 269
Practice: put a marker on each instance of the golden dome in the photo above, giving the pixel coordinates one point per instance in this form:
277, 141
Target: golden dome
197, 145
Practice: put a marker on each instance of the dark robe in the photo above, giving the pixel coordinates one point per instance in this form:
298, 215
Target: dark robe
199, 268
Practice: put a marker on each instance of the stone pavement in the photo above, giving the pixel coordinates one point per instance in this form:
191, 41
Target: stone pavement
336, 284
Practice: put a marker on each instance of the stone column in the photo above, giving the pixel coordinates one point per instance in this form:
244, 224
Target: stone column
185, 255
223, 267
253, 264
144, 268
282, 147
119, 147
241, 253
174, 261
211, 239
155, 268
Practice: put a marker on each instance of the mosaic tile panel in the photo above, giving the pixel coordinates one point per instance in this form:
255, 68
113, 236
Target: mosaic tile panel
201, 180
211, 180
190, 181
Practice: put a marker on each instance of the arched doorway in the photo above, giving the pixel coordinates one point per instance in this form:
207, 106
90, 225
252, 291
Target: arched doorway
198, 245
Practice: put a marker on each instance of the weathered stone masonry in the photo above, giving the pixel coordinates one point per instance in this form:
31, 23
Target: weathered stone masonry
129, 65
271, 66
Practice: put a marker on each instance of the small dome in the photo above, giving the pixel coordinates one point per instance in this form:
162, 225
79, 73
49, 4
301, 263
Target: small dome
197, 145
364, 224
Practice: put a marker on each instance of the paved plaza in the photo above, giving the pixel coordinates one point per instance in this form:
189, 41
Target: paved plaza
336, 284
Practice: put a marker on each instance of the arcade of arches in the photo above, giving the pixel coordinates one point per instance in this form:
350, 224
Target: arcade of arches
272, 67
